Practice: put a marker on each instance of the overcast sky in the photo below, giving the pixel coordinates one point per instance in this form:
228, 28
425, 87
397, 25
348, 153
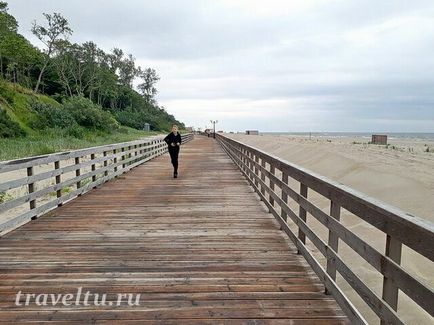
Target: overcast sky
289, 65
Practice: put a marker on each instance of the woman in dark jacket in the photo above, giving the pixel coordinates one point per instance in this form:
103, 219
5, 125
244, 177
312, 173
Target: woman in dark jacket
173, 140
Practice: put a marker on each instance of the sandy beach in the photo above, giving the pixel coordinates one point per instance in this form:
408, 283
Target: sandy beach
401, 174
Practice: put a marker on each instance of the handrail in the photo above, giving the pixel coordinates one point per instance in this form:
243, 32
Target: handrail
51, 180
261, 168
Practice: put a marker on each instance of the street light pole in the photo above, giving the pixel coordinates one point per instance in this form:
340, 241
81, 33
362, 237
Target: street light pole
213, 123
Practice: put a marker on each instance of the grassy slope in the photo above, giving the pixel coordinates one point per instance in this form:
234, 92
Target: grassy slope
48, 143
15, 100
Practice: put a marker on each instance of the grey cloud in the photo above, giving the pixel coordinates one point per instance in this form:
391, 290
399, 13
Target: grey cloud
370, 60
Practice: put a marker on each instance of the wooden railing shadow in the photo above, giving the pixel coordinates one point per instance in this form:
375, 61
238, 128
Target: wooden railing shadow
399, 228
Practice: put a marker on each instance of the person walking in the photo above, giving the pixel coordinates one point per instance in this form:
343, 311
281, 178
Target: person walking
173, 140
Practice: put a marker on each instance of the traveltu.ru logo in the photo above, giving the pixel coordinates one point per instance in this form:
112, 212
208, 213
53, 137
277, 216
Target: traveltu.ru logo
78, 298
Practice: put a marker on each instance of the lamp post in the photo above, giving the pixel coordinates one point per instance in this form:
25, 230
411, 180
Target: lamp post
213, 123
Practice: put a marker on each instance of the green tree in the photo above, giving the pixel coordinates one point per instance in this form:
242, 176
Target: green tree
21, 56
8, 27
57, 28
147, 87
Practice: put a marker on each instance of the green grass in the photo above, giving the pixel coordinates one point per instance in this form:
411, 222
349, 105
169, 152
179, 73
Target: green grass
41, 144
5, 197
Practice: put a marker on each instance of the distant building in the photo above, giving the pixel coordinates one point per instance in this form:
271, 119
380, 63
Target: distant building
379, 139
252, 132
147, 127
221, 131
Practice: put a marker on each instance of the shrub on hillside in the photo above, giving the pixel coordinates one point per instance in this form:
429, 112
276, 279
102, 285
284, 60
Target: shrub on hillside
133, 119
9, 128
51, 117
6, 92
90, 115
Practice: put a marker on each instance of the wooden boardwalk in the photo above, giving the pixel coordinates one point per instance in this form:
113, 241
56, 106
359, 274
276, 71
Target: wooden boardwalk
200, 249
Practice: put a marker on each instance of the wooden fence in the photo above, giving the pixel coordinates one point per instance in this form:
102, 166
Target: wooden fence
32, 186
399, 229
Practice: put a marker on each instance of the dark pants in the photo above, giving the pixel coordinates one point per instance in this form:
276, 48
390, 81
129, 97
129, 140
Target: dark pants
174, 152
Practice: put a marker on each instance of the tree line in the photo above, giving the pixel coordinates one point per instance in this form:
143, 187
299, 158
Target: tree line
63, 69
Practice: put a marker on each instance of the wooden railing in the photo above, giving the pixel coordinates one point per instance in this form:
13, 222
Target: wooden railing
32, 186
262, 170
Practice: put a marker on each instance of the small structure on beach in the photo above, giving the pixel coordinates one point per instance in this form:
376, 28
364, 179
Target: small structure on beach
379, 139
252, 132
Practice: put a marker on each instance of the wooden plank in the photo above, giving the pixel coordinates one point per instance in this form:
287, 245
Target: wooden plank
415, 289
302, 212
413, 231
333, 240
199, 249
284, 195
354, 316
31, 189
390, 289
396, 276
379, 307
22, 218
33, 195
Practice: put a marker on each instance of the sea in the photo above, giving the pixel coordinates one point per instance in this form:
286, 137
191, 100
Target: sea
368, 135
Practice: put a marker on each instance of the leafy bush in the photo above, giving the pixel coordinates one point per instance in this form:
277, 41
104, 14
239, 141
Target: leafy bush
75, 131
133, 119
6, 92
9, 128
52, 117
90, 115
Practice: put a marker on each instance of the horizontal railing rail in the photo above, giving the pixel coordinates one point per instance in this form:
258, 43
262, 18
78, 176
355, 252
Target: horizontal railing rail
32, 186
261, 170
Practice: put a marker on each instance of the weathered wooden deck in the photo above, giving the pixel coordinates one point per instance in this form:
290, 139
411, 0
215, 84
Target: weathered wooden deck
200, 249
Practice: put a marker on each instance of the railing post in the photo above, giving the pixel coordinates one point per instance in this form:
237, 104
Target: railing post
105, 163
93, 168
272, 171
58, 181
302, 214
333, 241
115, 160
262, 176
78, 173
244, 159
390, 290
251, 167
284, 195
249, 164
31, 188
123, 157
256, 170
